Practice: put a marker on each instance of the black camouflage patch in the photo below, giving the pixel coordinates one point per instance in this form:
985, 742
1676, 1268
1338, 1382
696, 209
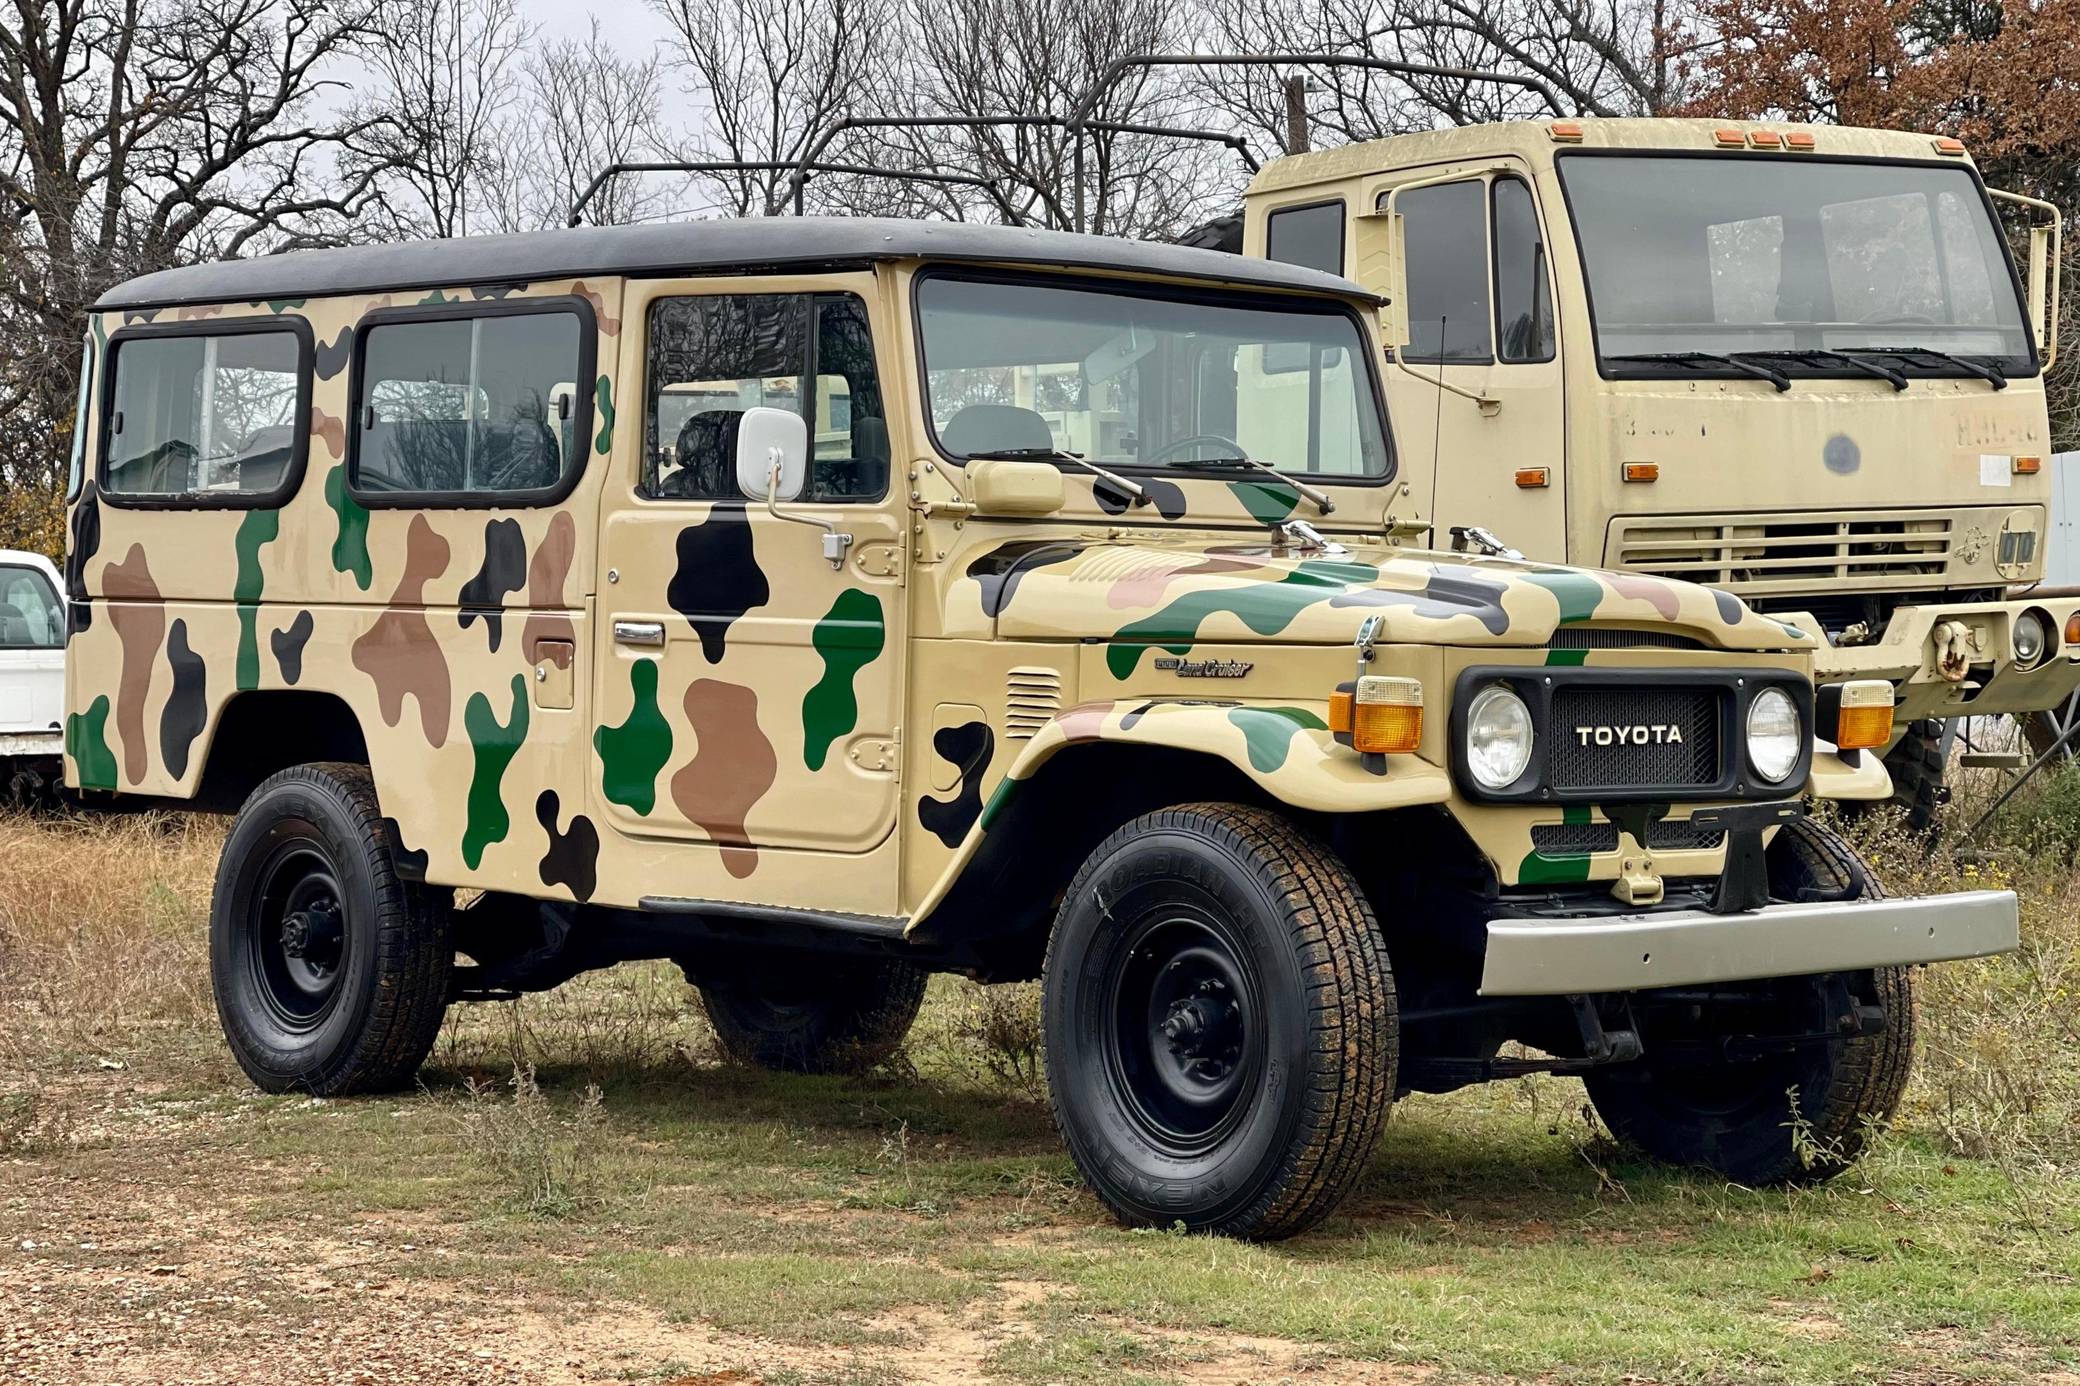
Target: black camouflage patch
409, 861
573, 857
330, 358
187, 707
504, 571
718, 578
969, 748
86, 542
1166, 496
999, 570
288, 644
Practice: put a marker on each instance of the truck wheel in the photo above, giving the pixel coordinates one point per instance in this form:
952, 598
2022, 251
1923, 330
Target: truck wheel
810, 1015
1785, 1118
1221, 1026
1917, 770
331, 973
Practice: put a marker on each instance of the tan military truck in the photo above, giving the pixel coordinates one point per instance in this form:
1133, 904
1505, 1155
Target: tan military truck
1793, 362
731, 593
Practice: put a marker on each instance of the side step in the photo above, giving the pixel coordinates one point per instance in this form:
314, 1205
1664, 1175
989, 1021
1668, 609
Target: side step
874, 926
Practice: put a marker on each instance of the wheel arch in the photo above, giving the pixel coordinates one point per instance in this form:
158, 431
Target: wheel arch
260, 732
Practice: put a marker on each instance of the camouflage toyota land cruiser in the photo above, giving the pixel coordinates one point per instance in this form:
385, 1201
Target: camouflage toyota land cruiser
819, 604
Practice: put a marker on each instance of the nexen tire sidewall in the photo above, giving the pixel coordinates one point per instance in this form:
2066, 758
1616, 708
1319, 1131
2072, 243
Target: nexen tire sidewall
1145, 1181
273, 1055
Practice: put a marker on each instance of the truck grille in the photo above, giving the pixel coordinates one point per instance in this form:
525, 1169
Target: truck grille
1634, 738
1769, 553
1587, 839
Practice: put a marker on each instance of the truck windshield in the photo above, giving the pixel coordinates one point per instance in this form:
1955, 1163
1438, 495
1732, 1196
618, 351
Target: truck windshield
1805, 268
1127, 377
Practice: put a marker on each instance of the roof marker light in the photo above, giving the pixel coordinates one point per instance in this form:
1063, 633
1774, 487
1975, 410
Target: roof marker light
1947, 144
1765, 139
1800, 140
1726, 137
1565, 131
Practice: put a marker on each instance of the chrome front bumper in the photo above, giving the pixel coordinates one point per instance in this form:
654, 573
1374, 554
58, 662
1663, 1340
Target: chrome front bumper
1637, 952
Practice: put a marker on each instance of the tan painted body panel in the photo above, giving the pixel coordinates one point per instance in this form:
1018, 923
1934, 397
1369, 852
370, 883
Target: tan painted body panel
1740, 463
798, 735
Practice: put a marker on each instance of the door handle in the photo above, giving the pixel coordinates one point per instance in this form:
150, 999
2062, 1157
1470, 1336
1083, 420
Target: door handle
639, 632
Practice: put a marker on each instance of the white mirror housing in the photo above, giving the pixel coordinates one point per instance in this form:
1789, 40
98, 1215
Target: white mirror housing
771, 441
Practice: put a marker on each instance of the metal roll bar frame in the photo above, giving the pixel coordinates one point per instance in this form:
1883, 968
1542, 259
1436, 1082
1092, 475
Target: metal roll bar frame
615, 170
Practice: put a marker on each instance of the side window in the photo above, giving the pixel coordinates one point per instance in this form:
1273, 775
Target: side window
206, 418
1523, 299
1308, 236
713, 357
483, 406
29, 612
78, 468
1447, 226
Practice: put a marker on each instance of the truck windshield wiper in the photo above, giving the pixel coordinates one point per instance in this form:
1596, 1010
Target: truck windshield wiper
1700, 359
1991, 375
1319, 497
1896, 379
1132, 490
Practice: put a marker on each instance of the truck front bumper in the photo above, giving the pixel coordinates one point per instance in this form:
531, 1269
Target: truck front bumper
1953, 659
1639, 952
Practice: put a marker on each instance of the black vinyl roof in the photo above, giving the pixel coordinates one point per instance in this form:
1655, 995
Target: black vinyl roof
700, 247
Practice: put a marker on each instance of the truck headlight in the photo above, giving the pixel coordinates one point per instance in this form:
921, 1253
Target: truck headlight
1774, 735
2032, 636
1499, 738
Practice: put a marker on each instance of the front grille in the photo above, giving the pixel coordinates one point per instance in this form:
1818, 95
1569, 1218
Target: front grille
1606, 638
1588, 839
1634, 738
1768, 553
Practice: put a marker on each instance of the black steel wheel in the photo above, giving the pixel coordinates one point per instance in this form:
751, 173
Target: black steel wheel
331, 973
1220, 1023
1784, 1116
798, 1014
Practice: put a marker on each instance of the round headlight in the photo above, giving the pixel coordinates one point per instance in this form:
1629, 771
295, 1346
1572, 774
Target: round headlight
1498, 738
1774, 735
2032, 636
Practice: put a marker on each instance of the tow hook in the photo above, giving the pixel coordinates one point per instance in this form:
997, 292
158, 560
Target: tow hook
1953, 646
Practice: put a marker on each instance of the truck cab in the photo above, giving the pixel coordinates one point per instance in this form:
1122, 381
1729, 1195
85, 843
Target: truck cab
1793, 362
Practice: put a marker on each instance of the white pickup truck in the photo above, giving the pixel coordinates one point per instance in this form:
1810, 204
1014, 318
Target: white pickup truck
32, 674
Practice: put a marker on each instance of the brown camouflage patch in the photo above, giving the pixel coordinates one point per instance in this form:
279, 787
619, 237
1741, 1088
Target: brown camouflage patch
139, 617
1646, 589
610, 326
547, 573
332, 431
400, 651
732, 768
1150, 585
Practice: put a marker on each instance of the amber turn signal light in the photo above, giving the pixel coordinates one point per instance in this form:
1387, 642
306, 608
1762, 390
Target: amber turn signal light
1378, 715
1861, 711
1643, 471
2028, 466
1531, 478
2073, 630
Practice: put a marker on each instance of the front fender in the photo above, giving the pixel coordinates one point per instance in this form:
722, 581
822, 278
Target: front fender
1285, 748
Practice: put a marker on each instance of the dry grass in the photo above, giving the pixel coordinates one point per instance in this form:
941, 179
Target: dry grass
103, 931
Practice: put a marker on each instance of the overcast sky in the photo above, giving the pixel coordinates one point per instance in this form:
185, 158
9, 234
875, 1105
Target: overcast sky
631, 25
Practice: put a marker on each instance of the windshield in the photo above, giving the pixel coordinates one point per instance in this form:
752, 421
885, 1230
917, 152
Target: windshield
1726, 255
1129, 378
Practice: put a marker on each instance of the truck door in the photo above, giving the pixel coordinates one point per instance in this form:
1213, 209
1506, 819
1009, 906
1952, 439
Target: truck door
748, 688
1481, 321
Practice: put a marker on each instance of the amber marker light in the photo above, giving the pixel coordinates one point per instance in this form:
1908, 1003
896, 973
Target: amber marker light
1863, 715
1947, 144
1565, 131
2073, 631
1531, 478
1378, 715
1726, 137
1643, 471
2028, 466
1766, 139
1801, 141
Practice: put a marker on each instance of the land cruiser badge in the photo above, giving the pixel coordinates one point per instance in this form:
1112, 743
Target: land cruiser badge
1204, 668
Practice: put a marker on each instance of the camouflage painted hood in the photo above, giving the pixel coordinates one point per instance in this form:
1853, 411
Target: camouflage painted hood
1183, 592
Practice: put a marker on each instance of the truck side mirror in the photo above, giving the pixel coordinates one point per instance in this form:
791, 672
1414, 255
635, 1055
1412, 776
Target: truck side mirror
772, 454
2046, 228
1393, 312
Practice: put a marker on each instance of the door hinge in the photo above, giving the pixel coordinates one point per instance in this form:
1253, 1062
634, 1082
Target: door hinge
876, 753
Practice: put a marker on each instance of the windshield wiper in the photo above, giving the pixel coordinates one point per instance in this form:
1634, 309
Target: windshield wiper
1132, 490
1990, 374
1897, 379
1319, 497
1700, 359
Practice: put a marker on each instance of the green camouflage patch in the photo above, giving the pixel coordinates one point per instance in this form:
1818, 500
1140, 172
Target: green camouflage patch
632, 753
494, 747
849, 637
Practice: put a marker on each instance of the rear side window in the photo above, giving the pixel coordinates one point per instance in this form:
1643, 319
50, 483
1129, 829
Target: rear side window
480, 409
30, 617
1447, 232
1311, 237
207, 418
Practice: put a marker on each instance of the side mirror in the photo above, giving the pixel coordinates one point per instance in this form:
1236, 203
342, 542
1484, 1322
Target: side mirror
1005, 486
2046, 260
1393, 313
772, 454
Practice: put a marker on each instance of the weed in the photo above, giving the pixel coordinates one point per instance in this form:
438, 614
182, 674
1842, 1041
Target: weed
548, 1161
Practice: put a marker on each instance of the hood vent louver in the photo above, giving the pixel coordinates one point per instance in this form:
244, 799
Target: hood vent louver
1032, 698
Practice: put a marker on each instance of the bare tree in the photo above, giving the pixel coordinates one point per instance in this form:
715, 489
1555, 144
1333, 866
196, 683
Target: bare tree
769, 75
444, 72
135, 134
585, 107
